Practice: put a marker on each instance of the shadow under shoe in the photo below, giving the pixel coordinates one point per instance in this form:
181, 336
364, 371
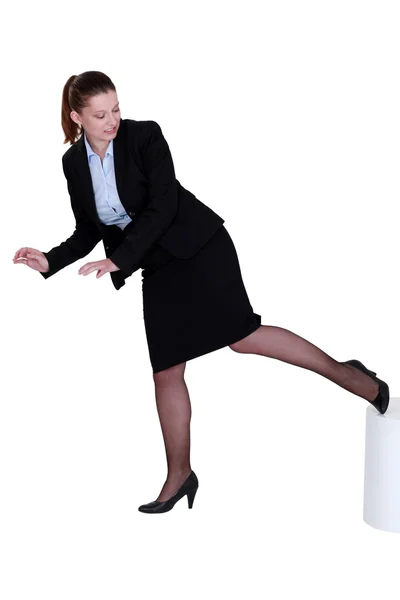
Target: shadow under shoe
381, 402
189, 487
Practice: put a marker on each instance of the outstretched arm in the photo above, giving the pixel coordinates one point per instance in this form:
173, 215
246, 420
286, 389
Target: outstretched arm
80, 243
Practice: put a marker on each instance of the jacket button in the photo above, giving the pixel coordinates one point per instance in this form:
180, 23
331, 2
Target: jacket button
107, 247
131, 213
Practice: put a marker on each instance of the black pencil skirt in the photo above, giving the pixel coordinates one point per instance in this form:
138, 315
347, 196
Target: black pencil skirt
194, 306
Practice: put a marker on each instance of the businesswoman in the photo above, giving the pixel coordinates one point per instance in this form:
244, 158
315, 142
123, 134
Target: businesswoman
123, 192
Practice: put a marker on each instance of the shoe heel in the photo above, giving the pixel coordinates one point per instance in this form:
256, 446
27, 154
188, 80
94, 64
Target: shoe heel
381, 402
190, 497
358, 365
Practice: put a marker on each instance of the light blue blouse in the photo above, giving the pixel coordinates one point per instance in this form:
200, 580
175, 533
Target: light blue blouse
108, 205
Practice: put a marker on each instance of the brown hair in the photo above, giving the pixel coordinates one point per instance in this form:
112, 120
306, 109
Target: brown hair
76, 94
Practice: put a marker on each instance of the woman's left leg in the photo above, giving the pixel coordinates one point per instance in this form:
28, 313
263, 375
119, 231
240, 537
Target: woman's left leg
282, 344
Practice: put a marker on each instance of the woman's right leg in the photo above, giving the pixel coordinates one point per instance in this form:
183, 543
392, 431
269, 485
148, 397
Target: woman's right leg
174, 411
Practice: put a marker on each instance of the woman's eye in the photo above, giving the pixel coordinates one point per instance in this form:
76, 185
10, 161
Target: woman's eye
103, 115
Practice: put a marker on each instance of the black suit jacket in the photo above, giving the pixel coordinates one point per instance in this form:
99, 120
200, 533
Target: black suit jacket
162, 211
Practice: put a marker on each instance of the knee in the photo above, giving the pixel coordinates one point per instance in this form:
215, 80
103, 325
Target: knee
168, 376
248, 343
237, 346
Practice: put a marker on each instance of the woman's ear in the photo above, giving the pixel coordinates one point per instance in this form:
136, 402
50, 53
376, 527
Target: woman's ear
75, 117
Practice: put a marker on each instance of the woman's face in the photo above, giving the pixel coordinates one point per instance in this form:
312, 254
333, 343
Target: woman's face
102, 113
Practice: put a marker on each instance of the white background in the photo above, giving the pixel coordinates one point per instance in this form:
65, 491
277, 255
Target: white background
283, 117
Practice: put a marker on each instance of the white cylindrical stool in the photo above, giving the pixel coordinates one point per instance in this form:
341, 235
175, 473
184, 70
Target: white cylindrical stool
382, 468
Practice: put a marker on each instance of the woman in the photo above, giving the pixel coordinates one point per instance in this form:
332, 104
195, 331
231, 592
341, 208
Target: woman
123, 191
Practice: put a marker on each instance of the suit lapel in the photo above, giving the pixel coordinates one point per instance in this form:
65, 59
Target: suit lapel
81, 164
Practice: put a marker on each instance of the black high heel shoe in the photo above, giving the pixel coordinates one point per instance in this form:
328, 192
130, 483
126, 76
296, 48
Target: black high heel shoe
381, 402
188, 487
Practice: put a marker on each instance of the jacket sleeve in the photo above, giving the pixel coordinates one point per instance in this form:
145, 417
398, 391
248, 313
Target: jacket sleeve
80, 243
162, 205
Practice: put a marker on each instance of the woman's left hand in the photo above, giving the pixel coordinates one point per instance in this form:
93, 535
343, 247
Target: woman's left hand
101, 266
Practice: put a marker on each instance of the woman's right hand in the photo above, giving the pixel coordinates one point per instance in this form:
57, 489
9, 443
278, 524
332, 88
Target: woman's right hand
32, 258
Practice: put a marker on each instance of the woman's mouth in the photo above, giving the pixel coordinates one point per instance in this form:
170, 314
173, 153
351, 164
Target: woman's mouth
111, 131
